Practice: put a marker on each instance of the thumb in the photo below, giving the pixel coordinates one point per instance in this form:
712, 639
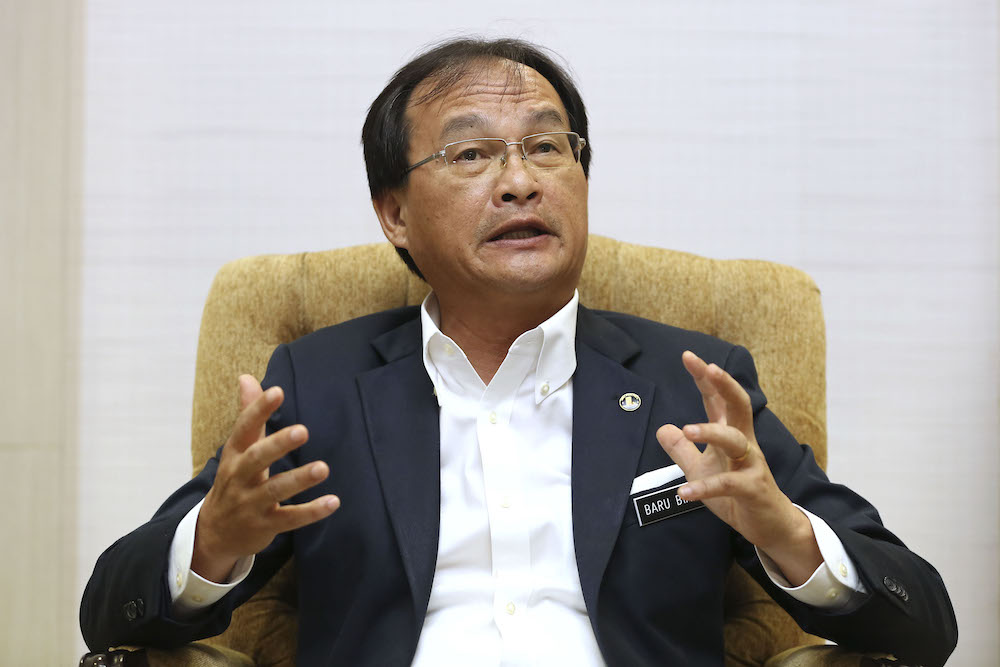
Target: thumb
249, 390
679, 448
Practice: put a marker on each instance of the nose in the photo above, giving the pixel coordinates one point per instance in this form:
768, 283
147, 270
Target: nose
517, 181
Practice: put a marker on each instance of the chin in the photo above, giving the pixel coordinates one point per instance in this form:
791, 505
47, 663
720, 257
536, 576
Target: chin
525, 283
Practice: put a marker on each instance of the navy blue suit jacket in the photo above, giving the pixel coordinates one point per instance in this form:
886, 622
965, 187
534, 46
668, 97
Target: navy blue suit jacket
654, 593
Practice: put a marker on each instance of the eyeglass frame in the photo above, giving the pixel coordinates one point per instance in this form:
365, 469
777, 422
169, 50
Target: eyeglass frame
503, 158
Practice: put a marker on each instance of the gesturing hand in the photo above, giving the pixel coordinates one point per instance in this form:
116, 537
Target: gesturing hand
242, 512
732, 477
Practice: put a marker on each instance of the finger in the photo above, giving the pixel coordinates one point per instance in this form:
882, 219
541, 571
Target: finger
715, 486
679, 448
291, 482
249, 390
293, 517
739, 411
259, 456
249, 427
715, 405
728, 439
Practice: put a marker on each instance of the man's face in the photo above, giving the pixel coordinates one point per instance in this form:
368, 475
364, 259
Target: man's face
512, 231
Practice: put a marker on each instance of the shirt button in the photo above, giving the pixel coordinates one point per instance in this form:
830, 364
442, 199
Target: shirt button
198, 599
843, 571
832, 594
449, 349
493, 418
179, 579
545, 389
506, 502
510, 608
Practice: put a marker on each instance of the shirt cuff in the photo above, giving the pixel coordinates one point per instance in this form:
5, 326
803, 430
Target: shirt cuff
835, 585
189, 592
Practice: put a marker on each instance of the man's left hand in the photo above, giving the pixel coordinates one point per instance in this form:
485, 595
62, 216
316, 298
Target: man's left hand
732, 477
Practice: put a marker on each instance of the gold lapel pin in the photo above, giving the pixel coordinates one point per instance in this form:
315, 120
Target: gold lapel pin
630, 402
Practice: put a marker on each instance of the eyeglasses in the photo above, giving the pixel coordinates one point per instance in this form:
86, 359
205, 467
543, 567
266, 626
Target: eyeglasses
472, 157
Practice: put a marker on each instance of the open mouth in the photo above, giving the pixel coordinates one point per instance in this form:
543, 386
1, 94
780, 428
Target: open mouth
518, 234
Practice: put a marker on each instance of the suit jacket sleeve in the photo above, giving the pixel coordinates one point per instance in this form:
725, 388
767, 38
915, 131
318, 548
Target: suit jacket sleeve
907, 611
127, 600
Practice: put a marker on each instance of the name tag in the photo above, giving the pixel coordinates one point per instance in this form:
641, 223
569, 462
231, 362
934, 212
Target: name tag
663, 504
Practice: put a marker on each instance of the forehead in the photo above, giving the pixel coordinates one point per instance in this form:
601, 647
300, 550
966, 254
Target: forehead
493, 96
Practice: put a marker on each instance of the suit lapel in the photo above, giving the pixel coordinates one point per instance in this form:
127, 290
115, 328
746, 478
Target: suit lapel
607, 443
401, 415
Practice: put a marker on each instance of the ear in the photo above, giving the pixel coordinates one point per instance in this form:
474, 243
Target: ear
391, 215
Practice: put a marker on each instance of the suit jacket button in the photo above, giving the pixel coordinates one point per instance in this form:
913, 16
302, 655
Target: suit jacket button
131, 610
140, 607
896, 589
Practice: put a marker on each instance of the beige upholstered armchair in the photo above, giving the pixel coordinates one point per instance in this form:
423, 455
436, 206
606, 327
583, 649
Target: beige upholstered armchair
773, 310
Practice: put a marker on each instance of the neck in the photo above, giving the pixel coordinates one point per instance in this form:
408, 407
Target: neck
485, 331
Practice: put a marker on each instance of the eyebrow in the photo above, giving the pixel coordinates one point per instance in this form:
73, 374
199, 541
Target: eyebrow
458, 126
460, 123
548, 116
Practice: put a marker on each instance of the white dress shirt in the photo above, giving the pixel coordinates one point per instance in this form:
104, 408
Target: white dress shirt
506, 589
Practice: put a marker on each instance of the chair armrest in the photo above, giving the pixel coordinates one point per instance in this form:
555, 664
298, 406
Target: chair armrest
195, 654
828, 656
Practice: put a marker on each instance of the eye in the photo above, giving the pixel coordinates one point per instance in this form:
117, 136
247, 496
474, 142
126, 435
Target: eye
474, 152
546, 147
470, 155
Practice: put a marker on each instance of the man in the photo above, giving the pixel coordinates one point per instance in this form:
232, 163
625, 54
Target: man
480, 452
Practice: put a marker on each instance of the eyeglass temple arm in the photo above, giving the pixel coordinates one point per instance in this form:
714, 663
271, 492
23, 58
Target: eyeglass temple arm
424, 161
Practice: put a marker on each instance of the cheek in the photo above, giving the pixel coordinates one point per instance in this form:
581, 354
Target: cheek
582, 186
445, 202
457, 212
471, 194
573, 201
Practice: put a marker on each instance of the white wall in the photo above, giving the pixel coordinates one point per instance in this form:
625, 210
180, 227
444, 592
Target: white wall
855, 140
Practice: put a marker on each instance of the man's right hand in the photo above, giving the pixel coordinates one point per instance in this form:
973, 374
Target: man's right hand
242, 512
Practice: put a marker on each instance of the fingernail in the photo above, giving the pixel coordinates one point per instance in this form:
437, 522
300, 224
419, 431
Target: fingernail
692, 431
333, 503
298, 434
317, 470
684, 491
272, 393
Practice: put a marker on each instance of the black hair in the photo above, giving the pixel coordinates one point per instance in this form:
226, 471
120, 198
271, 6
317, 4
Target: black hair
386, 132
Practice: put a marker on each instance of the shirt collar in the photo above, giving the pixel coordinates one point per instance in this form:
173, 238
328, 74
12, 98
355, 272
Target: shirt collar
556, 358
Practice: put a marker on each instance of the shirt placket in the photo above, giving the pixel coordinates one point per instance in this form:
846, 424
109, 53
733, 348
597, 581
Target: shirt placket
509, 529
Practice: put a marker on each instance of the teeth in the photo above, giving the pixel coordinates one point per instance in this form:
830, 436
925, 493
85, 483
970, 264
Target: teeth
519, 234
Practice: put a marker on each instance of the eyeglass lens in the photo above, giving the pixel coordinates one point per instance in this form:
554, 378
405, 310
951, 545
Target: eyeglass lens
543, 151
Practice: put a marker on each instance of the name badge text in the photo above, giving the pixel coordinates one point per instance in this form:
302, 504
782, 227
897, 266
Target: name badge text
662, 504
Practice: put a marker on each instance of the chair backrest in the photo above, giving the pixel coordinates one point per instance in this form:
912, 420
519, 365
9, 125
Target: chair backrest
773, 310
